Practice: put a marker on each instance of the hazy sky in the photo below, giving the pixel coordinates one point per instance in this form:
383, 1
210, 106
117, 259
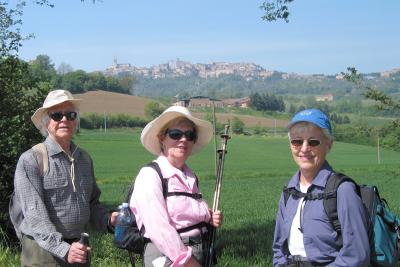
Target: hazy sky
323, 36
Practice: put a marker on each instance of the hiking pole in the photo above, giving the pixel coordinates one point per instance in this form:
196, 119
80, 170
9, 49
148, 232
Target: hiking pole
132, 258
84, 240
218, 183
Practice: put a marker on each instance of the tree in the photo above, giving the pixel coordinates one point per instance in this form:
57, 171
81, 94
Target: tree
20, 95
42, 69
74, 81
126, 82
276, 9
153, 110
237, 125
267, 102
64, 68
383, 101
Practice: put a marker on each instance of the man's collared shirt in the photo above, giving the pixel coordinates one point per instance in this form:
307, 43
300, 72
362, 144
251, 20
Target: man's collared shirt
52, 210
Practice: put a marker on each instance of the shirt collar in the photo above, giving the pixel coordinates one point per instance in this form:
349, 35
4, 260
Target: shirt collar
168, 170
53, 148
319, 180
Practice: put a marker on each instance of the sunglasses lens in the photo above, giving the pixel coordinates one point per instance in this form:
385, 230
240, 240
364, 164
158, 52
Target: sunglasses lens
190, 135
56, 116
296, 142
299, 142
314, 142
71, 115
175, 134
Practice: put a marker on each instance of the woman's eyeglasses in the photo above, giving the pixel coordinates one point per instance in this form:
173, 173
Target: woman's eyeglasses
177, 134
310, 142
57, 116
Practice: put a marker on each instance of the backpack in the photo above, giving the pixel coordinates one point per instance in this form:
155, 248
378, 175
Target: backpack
14, 206
383, 230
134, 241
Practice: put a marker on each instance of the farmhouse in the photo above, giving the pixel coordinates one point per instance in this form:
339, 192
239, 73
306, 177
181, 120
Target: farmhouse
243, 102
199, 101
324, 98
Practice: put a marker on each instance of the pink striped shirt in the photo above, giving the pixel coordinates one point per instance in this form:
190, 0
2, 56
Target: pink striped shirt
162, 217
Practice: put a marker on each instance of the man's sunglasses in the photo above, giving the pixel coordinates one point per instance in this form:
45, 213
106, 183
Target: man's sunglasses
310, 142
177, 134
57, 116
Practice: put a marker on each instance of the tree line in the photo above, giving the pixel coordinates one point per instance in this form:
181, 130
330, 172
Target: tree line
78, 81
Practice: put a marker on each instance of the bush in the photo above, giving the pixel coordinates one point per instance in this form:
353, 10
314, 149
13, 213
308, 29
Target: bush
237, 125
20, 96
96, 121
153, 110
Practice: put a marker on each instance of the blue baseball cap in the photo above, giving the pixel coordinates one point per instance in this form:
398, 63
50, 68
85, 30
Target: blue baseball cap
314, 116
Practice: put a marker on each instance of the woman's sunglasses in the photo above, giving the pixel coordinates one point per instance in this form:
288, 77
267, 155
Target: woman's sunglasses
310, 142
177, 134
57, 116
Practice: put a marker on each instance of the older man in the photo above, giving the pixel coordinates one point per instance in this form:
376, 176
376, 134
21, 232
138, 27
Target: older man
56, 190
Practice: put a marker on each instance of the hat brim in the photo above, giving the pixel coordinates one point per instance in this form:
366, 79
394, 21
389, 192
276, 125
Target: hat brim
149, 134
37, 116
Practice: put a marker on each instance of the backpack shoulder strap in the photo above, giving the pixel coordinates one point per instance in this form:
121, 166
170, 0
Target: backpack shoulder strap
164, 183
15, 210
287, 192
330, 203
42, 157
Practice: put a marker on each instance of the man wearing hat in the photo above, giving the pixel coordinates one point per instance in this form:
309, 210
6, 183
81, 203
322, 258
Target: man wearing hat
56, 190
304, 235
175, 222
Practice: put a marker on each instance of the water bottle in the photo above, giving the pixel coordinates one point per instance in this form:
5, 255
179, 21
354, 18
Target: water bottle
124, 220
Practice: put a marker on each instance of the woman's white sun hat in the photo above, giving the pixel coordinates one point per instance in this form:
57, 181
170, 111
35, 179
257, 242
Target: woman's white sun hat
53, 98
149, 134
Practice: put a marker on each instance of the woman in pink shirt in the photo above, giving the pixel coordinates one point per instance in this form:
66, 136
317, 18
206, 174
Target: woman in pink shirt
174, 222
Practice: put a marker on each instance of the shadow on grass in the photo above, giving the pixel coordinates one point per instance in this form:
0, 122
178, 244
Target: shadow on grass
248, 242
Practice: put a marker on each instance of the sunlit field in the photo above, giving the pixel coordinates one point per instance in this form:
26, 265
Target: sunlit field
256, 169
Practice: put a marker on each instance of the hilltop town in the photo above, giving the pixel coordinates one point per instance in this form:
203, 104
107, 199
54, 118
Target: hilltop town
178, 68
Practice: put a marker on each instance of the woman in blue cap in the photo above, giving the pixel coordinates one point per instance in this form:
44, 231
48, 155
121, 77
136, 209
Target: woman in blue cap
304, 234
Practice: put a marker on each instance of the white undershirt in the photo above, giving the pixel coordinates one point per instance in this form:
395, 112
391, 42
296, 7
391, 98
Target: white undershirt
296, 244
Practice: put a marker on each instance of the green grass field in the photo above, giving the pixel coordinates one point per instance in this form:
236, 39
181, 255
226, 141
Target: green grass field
256, 168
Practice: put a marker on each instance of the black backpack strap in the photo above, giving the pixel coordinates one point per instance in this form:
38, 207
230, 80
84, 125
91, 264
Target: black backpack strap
330, 200
291, 191
192, 195
130, 191
164, 182
194, 226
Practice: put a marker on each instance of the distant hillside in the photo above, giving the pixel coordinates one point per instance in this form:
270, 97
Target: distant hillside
234, 86
232, 80
114, 103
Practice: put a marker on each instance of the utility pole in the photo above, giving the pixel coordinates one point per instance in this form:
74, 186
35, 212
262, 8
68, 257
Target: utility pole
105, 122
378, 148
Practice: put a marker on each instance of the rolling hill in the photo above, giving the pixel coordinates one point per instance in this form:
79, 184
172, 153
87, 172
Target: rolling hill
114, 103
